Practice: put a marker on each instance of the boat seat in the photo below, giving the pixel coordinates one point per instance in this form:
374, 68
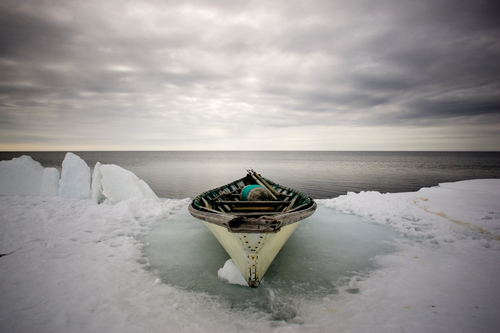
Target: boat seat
250, 203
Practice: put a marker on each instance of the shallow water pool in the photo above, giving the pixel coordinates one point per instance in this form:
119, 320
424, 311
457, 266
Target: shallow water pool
326, 253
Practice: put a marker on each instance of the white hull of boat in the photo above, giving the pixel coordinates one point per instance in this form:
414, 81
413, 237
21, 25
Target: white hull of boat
253, 253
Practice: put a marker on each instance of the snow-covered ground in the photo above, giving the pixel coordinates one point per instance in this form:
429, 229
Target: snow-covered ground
73, 260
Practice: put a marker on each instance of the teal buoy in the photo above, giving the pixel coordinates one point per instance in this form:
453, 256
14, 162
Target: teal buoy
256, 193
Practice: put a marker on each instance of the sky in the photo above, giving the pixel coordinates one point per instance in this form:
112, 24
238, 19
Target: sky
250, 75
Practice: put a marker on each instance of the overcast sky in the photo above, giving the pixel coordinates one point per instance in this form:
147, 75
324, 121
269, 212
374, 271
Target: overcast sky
250, 75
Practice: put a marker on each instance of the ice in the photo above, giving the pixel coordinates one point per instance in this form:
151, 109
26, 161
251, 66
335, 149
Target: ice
50, 183
96, 186
473, 204
20, 176
75, 178
111, 183
425, 261
298, 272
115, 184
231, 273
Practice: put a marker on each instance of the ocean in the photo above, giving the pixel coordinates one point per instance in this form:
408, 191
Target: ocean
321, 174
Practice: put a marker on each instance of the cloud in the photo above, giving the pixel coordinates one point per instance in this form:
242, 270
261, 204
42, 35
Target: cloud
171, 75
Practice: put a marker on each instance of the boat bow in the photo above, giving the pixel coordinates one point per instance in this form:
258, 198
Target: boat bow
252, 228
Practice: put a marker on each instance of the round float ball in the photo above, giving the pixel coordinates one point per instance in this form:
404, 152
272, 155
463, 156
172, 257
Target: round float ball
256, 193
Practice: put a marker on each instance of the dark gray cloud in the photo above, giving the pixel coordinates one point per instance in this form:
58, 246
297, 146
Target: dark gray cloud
165, 75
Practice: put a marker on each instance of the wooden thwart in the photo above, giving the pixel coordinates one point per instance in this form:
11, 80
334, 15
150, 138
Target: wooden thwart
253, 208
251, 203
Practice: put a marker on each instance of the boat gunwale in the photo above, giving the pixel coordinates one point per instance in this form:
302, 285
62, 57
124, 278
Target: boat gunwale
266, 222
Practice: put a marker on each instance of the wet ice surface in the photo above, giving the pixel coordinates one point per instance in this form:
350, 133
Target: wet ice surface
327, 253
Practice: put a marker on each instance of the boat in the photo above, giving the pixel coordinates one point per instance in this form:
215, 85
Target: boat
252, 218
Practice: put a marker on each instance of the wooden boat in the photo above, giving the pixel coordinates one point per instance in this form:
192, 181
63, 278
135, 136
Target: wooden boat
252, 218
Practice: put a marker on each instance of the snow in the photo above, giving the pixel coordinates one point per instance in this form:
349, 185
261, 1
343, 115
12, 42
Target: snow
471, 206
445, 276
73, 265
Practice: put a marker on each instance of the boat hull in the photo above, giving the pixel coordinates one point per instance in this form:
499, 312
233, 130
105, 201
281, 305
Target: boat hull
252, 227
253, 253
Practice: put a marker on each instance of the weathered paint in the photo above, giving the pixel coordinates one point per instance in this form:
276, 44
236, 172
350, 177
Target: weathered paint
252, 232
253, 253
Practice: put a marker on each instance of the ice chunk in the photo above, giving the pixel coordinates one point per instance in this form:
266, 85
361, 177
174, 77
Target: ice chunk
75, 178
97, 195
116, 184
20, 176
50, 183
231, 273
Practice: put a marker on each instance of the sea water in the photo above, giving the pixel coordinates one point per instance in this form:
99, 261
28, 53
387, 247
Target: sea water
321, 174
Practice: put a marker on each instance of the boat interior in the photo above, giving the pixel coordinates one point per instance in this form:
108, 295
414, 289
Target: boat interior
228, 199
